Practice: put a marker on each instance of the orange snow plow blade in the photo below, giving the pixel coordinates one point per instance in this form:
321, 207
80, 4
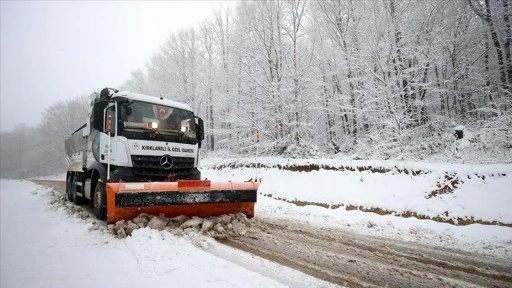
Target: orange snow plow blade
201, 198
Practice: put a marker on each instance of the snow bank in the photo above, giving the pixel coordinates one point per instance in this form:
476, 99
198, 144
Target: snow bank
449, 192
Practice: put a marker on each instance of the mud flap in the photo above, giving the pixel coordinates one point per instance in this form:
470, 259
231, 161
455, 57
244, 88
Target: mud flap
201, 198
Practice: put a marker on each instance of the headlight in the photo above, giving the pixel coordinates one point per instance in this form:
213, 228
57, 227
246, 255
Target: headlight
152, 125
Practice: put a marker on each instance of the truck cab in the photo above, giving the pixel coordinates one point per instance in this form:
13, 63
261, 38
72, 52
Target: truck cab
150, 138
132, 137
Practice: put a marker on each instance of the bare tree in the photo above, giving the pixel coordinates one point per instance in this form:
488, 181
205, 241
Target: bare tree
137, 83
492, 15
206, 36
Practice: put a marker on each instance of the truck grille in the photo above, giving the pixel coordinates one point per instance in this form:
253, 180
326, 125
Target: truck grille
147, 168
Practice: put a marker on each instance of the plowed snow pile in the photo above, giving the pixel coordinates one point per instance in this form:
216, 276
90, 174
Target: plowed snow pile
218, 227
221, 227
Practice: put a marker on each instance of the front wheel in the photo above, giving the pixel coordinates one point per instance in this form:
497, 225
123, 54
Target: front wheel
99, 201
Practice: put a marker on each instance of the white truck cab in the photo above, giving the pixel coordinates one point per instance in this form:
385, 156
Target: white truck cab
132, 137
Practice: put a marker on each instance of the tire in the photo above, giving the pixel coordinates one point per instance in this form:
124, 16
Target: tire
99, 201
72, 193
77, 200
69, 179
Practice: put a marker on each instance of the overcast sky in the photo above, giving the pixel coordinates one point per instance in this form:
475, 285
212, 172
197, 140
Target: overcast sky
56, 51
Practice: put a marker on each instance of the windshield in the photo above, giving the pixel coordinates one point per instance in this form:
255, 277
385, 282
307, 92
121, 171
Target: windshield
142, 116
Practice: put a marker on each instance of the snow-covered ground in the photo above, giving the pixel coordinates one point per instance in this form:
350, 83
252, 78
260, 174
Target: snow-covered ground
43, 246
461, 191
488, 199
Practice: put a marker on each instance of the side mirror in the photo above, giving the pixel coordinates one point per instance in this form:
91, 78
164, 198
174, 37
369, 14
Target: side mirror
97, 115
200, 131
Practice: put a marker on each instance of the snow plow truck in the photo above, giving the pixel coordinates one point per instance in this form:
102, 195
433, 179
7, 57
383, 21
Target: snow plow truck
140, 154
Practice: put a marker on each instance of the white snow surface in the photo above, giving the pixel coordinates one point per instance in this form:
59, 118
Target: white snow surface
43, 246
487, 199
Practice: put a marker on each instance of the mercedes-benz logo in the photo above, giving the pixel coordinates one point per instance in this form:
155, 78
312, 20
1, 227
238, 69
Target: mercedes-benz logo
166, 162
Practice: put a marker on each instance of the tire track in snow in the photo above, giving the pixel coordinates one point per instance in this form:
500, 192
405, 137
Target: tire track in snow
360, 261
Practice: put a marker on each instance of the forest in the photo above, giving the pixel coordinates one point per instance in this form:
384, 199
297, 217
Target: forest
346, 79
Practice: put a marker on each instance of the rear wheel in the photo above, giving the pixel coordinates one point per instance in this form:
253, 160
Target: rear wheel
74, 197
73, 189
99, 201
69, 179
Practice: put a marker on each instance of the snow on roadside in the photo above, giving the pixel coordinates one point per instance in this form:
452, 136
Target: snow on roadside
478, 191
487, 199
42, 246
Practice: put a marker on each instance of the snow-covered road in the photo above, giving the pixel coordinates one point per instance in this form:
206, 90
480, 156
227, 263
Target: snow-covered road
47, 243
42, 245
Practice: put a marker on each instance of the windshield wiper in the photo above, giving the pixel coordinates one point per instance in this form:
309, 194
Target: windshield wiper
175, 132
152, 134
